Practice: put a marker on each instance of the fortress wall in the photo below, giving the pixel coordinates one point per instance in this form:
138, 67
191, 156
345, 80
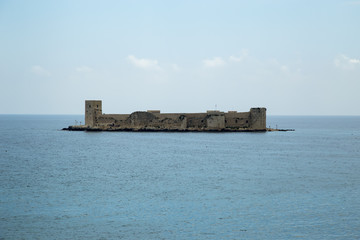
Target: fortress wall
149, 120
196, 120
105, 120
177, 120
141, 120
237, 120
171, 115
112, 119
215, 121
117, 116
172, 121
211, 120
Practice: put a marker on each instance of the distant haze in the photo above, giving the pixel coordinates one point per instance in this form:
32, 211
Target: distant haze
292, 57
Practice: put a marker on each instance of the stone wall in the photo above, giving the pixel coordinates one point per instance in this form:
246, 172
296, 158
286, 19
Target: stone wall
237, 119
154, 120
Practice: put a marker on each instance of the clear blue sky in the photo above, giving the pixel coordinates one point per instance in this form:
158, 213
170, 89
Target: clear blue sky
292, 57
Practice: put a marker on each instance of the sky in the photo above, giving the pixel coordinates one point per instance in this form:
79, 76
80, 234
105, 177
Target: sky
292, 57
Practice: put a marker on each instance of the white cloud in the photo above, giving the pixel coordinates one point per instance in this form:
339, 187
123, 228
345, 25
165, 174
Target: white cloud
214, 62
148, 64
345, 62
354, 60
275, 64
84, 69
241, 58
235, 59
40, 71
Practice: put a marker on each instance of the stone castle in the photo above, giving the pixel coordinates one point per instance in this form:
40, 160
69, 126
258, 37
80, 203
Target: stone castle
153, 120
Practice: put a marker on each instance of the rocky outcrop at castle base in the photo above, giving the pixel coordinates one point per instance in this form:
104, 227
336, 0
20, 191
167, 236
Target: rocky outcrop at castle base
151, 129
114, 129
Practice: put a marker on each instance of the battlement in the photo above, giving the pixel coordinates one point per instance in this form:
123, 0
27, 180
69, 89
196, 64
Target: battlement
154, 120
154, 111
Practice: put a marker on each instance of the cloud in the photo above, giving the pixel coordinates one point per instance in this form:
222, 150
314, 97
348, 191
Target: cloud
354, 60
243, 55
147, 64
40, 71
214, 62
84, 69
344, 62
235, 59
275, 64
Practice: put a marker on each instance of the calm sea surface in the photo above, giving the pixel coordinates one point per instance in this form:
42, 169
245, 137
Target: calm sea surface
122, 185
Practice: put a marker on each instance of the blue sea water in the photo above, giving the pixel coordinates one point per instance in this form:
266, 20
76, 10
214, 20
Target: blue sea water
125, 185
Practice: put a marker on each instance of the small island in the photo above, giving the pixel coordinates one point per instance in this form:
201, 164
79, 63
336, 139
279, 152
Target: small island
153, 120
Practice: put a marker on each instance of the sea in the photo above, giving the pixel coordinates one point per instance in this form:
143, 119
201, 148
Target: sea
302, 184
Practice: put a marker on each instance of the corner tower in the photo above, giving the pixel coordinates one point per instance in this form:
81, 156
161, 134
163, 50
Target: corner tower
93, 109
258, 119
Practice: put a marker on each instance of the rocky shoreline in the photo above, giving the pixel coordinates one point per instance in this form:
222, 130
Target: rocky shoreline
114, 129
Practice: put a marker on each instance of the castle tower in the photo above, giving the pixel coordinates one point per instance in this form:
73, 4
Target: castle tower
93, 109
258, 119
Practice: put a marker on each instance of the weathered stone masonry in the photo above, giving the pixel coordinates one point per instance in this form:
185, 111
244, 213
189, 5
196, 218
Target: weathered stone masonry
153, 120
